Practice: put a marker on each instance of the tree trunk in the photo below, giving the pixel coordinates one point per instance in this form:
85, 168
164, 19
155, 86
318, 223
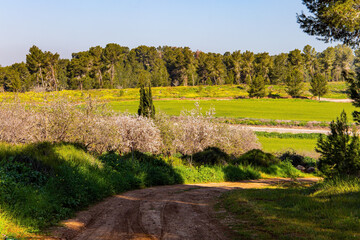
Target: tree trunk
112, 70
100, 79
42, 79
54, 77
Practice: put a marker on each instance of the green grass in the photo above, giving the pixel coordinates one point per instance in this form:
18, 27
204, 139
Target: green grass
280, 144
288, 135
328, 210
281, 109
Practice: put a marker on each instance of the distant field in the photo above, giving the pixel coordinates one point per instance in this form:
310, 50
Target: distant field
278, 145
336, 90
281, 109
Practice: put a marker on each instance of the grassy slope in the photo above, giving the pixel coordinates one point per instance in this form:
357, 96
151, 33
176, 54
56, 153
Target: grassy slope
281, 109
41, 184
329, 210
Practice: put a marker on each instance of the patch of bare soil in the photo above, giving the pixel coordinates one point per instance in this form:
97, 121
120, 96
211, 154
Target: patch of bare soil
167, 212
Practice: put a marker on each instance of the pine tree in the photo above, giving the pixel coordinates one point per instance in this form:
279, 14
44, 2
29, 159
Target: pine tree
340, 150
257, 87
146, 106
318, 85
294, 83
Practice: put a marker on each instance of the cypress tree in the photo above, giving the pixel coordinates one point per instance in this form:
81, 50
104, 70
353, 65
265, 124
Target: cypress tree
146, 106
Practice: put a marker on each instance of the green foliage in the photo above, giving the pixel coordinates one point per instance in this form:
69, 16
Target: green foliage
318, 85
256, 157
340, 150
211, 156
283, 169
332, 20
44, 183
146, 106
354, 81
118, 67
257, 87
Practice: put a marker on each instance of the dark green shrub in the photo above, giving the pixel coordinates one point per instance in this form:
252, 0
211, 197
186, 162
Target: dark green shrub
294, 158
211, 156
256, 157
297, 159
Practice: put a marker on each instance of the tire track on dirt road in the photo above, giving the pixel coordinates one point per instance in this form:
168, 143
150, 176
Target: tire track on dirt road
166, 212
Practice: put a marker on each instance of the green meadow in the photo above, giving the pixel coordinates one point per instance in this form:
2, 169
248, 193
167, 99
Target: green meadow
276, 109
275, 145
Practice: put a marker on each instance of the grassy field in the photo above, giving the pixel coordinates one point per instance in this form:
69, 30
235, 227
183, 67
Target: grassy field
336, 90
328, 210
275, 145
280, 142
280, 109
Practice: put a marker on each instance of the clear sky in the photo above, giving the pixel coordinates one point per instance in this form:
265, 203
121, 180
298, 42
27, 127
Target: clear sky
67, 26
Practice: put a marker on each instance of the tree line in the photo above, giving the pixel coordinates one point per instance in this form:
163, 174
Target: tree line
115, 66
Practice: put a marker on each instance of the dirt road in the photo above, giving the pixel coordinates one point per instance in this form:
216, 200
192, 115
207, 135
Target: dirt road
167, 212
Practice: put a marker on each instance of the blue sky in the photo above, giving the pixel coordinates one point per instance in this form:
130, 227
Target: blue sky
66, 26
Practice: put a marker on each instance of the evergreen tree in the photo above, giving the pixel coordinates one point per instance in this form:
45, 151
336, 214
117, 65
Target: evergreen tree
263, 63
340, 151
279, 69
332, 20
112, 54
247, 65
327, 59
35, 63
257, 87
318, 85
146, 106
310, 61
294, 83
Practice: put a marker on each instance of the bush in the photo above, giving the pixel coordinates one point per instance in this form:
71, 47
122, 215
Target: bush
211, 156
92, 126
258, 158
297, 159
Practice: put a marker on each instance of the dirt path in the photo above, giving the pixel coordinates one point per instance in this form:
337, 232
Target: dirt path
167, 212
